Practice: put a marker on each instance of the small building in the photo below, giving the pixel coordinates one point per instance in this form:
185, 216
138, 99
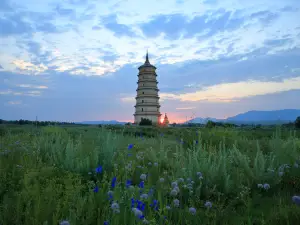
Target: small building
147, 99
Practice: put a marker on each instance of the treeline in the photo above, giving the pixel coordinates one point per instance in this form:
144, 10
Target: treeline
37, 123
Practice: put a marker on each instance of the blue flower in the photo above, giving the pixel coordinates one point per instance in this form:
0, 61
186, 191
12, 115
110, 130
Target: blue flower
192, 210
130, 146
161, 134
141, 185
106, 223
96, 189
113, 183
197, 142
110, 195
128, 183
208, 204
99, 169
129, 154
296, 200
155, 205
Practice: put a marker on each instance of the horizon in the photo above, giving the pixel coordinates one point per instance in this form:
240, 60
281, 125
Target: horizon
78, 60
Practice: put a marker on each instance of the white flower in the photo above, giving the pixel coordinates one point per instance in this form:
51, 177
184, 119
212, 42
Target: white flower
143, 176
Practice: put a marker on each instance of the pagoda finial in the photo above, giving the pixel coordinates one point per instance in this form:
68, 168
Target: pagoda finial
147, 58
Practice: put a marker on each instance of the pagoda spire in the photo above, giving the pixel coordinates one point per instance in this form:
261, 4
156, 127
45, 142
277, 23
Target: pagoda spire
147, 58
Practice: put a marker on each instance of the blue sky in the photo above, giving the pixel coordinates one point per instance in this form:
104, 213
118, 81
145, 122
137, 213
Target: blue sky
76, 60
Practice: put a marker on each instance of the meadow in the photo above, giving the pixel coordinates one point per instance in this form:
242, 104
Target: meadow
130, 175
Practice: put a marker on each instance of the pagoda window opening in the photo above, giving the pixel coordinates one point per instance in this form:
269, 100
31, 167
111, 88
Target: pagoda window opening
142, 109
142, 101
143, 92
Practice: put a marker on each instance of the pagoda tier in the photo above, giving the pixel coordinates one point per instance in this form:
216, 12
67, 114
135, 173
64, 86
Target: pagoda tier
147, 99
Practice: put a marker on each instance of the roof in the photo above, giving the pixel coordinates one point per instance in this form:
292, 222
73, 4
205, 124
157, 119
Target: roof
147, 63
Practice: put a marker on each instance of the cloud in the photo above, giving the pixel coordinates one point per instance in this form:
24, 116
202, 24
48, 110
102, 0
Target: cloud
111, 23
186, 108
228, 92
15, 102
32, 86
14, 25
29, 67
16, 93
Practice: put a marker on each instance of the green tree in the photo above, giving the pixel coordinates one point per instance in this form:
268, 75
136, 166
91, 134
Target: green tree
297, 122
210, 124
145, 122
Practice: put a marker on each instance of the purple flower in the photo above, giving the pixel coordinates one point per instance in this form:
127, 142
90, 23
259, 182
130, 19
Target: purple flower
99, 169
64, 222
296, 200
130, 146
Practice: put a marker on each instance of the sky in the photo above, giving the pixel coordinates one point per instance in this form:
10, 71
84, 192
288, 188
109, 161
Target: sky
77, 60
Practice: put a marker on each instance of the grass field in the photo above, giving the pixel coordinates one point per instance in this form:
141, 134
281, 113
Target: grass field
91, 175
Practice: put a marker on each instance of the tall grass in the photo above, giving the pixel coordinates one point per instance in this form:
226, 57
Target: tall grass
227, 176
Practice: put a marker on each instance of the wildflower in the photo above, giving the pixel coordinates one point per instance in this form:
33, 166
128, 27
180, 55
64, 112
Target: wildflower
106, 223
115, 207
129, 154
96, 189
176, 202
266, 186
259, 185
64, 222
141, 185
155, 205
192, 210
189, 180
208, 204
144, 196
168, 207
296, 200
110, 195
196, 141
113, 183
99, 169
143, 176
281, 173
181, 180
161, 180
151, 191
296, 165
174, 184
89, 173
149, 164
155, 164
128, 183
199, 174
174, 192
145, 221
137, 212
130, 146
176, 188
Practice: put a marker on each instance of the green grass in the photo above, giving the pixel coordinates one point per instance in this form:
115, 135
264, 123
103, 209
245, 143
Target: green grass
48, 175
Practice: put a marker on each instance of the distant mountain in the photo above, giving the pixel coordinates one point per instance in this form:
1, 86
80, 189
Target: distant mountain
203, 120
256, 117
113, 122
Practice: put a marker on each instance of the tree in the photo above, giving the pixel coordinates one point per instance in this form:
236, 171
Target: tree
297, 122
145, 122
210, 124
